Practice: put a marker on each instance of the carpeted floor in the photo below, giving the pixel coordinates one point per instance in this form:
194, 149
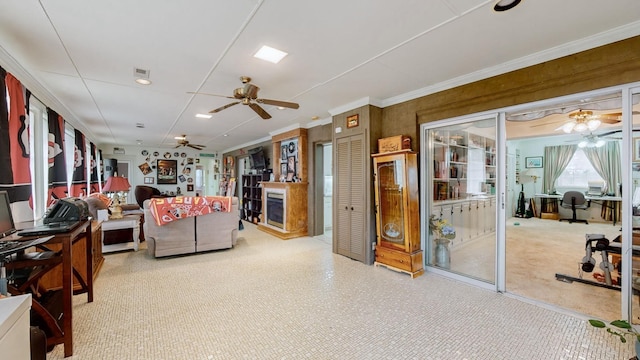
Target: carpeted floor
536, 250
274, 299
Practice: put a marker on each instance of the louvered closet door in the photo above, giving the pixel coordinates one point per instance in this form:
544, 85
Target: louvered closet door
350, 197
358, 187
342, 198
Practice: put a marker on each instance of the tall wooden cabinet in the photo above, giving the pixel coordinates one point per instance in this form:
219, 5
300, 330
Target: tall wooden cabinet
397, 212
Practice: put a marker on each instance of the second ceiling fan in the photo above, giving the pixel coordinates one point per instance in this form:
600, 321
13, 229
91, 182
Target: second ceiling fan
248, 95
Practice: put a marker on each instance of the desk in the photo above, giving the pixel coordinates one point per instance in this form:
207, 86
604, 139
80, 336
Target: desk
60, 247
596, 199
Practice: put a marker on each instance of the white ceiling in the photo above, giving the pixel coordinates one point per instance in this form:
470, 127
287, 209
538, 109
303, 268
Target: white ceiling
78, 56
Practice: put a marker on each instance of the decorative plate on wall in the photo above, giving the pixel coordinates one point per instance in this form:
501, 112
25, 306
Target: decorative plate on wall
183, 155
155, 153
145, 153
176, 154
167, 155
292, 147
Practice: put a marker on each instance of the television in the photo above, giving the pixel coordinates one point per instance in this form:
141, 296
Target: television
258, 160
7, 226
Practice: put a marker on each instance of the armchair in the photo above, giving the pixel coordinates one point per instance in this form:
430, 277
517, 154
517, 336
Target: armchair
574, 200
143, 192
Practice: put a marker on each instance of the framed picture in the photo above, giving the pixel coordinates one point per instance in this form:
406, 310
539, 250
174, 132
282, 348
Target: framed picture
636, 149
291, 165
167, 171
190, 187
148, 180
283, 169
145, 168
283, 153
182, 178
353, 121
533, 162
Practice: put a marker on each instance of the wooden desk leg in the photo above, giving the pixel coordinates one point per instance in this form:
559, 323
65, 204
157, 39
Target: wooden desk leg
67, 294
89, 247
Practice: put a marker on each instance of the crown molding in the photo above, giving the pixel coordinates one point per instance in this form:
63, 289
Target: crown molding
356, 104
600, 39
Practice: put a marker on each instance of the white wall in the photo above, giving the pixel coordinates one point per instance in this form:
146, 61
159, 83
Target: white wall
134, 155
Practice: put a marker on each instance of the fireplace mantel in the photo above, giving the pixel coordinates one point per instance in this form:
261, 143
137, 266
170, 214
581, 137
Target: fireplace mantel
295, 209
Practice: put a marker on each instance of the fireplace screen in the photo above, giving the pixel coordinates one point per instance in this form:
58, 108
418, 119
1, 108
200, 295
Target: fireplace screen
275, 209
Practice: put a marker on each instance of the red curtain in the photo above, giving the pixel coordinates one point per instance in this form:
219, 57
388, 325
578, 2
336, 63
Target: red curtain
79, 178
57, 167
93, 165
15, 173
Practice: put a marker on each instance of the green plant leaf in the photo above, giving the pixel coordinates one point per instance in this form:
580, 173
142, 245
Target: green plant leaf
622, 324
597, 323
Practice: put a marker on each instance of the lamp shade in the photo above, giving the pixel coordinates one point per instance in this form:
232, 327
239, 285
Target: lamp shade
116, 183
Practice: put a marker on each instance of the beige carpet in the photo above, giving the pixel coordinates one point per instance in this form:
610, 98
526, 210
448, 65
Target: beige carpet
274, 299
536, 250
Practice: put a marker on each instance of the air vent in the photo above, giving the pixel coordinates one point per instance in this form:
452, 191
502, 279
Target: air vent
140, 125
140, 73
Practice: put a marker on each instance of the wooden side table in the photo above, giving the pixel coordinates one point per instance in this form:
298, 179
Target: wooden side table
131, 221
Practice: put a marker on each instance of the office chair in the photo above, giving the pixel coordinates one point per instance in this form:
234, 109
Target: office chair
574, 200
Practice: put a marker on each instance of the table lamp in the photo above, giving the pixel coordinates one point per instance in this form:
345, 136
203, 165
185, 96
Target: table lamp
116, 185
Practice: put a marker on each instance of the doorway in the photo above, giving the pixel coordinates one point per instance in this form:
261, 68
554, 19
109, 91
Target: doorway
324, 191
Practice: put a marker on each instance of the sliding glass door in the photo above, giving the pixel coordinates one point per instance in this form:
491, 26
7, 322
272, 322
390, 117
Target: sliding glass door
460, 198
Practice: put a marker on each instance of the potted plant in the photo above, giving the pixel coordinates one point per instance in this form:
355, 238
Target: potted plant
621, 329
443, 233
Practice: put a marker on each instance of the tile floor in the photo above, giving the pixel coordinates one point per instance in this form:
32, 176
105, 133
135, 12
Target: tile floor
274, 299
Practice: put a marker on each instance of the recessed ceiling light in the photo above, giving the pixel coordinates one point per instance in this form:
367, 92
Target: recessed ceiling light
143, 81
270, 54
225, 135
504, 5
315, 117
203, 116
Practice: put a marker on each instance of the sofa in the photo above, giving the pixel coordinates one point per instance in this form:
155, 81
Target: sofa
214, 231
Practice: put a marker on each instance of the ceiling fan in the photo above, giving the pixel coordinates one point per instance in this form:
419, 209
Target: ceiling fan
248, 95
583, 120
592, 140
182, 141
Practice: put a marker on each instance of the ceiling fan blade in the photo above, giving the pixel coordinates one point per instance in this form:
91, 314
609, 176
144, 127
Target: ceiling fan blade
197, 147
263, 114
224, 107
177, 146
286, 104
200, 93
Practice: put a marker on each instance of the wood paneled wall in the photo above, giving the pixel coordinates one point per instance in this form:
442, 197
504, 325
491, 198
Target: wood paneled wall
609, 65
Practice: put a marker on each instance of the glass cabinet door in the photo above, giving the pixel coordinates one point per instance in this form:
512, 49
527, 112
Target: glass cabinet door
390, 182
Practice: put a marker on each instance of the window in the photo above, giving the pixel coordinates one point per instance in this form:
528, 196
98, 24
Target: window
578, 174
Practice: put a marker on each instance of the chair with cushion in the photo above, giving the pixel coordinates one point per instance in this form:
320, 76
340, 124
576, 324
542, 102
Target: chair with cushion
574, 200
143, 192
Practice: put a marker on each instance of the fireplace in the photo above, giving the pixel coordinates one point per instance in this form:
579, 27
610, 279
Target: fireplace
275, 209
